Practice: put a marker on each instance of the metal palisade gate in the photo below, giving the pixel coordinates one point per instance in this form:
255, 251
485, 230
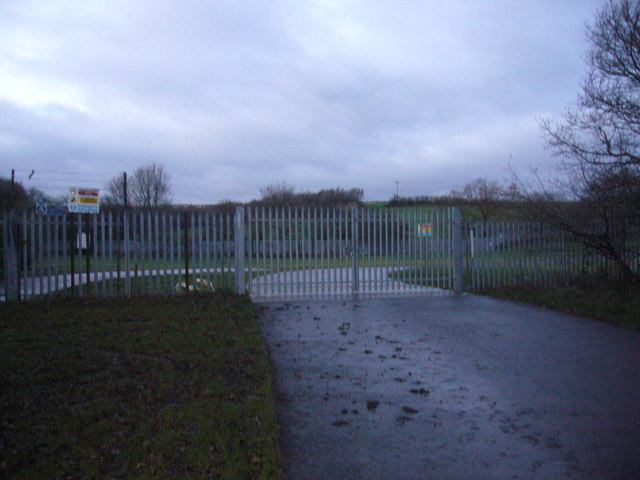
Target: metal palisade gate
328, 251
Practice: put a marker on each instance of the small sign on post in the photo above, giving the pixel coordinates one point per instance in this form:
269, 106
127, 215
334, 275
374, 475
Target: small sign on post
81, 241
425, 230
42, 205
83, 200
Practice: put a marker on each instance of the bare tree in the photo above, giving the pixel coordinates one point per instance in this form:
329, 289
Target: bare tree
337, 197
485, 195
151, 186
602, 128
117, 193
598, 139
278, 194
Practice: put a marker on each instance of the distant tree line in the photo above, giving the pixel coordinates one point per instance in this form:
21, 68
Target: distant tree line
481, 198
14, 195
284, 195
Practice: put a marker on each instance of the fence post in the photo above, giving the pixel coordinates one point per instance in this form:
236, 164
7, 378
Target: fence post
457, 251
10, 247
355, 247
126, 252
185, 234
238, 236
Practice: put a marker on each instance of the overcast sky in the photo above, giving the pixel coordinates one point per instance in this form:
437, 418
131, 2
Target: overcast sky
233, 95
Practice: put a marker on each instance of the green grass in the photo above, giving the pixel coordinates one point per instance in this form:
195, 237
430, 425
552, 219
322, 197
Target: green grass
154, 284
162, 387
100, 263
488, 273
586, 295
607, 301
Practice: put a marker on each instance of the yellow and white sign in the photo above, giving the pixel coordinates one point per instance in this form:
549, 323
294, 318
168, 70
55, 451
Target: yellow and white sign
83, 200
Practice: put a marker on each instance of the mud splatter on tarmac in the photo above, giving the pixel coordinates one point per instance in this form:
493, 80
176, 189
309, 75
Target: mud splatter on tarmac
452, 388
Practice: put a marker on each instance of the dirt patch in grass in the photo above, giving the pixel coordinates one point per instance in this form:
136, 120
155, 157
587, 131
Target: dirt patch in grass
169, 387
611, 302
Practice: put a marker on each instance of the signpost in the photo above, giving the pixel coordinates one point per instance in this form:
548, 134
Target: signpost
83, 200
45, 207
57, 208
42, 205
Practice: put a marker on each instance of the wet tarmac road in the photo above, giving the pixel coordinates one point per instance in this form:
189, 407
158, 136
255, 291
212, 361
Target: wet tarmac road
454, 387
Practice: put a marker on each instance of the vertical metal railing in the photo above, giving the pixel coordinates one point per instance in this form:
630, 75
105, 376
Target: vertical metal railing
239, 252
285, 252
514, 253
311, 251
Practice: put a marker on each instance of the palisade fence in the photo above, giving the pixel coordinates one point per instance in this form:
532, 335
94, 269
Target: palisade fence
128, 253
517, 253
285, 251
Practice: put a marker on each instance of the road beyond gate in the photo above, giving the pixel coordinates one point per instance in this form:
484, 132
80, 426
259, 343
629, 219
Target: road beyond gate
452, 387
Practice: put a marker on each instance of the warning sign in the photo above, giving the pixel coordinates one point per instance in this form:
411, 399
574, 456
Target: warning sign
425, 230
83, 200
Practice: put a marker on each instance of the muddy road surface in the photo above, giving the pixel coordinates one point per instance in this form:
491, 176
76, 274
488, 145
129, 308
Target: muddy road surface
453, 387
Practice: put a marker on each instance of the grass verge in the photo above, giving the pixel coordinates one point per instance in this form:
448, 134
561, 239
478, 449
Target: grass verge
587, 296
162, 387
153, 285
610, 302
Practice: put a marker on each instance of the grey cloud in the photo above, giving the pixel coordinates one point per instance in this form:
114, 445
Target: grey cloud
230, 96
